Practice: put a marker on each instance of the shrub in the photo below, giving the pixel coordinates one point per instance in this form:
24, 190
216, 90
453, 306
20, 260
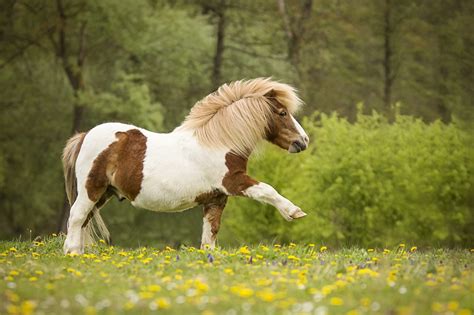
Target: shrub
367, 183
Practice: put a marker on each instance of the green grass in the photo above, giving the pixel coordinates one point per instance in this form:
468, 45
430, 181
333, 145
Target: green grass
267, 279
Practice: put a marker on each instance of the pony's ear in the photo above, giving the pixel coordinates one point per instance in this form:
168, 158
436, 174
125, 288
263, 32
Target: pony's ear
270, 94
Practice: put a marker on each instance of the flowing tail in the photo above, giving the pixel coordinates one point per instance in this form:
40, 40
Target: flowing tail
92, 230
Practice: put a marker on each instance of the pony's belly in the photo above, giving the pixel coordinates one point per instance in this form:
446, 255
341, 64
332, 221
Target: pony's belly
164, 204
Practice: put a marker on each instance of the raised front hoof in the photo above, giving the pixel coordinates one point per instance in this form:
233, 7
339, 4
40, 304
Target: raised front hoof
298, 214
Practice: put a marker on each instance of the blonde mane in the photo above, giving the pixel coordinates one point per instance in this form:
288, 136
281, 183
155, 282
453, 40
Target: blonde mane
237, 114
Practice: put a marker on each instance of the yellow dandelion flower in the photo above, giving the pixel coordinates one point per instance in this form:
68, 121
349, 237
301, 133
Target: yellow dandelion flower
241, 291
266, 295
229, 271
437, 307
327, 289
128, 305
263, 282
351, 268
145, 295
311, 245
336, 301
367, 271
13, 309
147, 260
90, 310
33, 279
163, 303
365, 302
453, 305
12, 249
464, 311
12, 297
27, 307
201, 286
154, 288
292, 245
294, 258
14, 273
370, 250
49, 286
323, 249
414, 248
244, 250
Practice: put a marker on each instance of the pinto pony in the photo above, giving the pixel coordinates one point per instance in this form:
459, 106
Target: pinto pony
201, 162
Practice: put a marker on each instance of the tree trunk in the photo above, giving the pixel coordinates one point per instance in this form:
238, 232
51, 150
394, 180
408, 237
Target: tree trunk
295, 29
74, 74
217, 65
388, 55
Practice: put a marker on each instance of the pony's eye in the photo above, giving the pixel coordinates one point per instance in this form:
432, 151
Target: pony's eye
283, 113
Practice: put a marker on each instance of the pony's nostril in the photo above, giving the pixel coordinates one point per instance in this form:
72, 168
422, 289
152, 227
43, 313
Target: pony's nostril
300, 145
306, 139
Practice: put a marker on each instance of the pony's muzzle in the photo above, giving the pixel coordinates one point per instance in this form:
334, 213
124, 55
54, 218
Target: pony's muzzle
298, 146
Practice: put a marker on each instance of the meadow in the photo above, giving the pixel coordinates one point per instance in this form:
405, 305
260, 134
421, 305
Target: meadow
36, 278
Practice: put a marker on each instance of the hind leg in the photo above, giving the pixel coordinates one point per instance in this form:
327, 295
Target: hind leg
88, 231
212, 221
81, 208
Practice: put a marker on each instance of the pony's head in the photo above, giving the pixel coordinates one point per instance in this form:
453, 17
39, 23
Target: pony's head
283, 130
240, 114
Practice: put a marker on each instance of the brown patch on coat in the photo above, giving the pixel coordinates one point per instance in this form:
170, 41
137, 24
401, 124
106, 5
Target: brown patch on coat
281, 130
214, 203
236, 179
209, 197
119, 166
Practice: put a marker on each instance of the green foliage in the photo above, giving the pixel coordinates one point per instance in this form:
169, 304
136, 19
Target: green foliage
370, 183
128, 100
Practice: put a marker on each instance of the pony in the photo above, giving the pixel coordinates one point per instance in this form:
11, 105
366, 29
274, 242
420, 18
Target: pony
201, 162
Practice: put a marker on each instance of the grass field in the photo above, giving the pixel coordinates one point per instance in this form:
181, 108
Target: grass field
36, 278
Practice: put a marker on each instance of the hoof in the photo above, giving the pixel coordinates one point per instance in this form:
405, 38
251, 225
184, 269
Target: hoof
73, 250
298, 214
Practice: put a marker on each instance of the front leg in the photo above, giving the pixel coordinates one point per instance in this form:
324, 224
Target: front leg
238, 183
267, 194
